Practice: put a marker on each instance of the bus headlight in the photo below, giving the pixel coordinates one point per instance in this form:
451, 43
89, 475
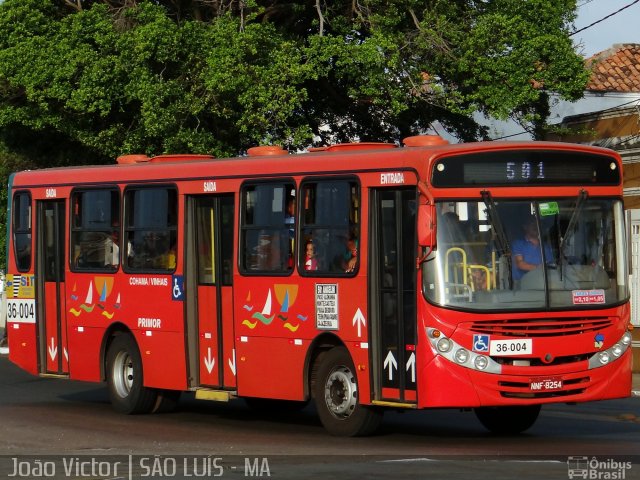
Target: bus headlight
604, 357
462, 355
481, 362
444, 345
626, 339
617, 350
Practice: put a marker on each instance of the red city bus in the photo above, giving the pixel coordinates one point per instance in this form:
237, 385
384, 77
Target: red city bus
490, 276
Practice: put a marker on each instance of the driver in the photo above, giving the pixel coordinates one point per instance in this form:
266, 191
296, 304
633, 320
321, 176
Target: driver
527, 254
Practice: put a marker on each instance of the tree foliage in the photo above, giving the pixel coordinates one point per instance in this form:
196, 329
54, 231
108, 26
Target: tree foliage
100, 78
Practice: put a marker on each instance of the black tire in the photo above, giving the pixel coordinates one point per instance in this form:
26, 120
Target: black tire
125, 377
508, 420
335, 390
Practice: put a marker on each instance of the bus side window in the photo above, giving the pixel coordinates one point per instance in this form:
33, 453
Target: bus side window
151, 228
268, 227
22, 231
95, 229
331, 220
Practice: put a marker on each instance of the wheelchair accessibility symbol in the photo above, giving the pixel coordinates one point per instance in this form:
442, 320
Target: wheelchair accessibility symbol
177, 287
481, 343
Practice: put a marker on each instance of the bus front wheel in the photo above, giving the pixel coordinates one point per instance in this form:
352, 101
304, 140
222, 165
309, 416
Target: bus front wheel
335, 391
124, 377
508, 420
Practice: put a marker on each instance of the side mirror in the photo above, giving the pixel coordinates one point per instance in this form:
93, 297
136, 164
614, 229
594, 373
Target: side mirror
427, 225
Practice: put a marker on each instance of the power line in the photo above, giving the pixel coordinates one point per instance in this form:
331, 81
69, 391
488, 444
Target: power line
604, 110
636, 101
627, 140
604, 18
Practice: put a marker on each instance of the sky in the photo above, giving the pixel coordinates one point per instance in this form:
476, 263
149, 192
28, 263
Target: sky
620, 28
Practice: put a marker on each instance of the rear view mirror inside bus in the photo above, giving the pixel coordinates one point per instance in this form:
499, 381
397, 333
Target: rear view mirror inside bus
426, 226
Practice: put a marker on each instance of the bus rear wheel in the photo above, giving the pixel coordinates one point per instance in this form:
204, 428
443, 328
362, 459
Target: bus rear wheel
335, 390
124, 377
508, 420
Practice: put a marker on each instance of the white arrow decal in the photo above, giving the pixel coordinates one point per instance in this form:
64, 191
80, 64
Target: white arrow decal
359, 319
411, 364
390, 362
232, 365
66, 354
53, 350
209, 361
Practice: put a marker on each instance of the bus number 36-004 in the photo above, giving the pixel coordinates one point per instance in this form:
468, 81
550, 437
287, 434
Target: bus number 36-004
21, 310
511, 347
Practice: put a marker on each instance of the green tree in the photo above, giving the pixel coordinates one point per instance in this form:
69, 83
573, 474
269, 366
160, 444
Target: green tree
218, 76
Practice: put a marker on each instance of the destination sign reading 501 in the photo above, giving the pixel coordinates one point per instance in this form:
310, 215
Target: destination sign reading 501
524, 170
530, 167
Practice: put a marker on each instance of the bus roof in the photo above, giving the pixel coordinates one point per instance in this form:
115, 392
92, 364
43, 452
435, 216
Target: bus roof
333, 160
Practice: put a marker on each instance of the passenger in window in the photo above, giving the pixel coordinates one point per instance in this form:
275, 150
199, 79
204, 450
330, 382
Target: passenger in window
350, 258
171, 257
162, 254
290, 217
310, 261
154, 249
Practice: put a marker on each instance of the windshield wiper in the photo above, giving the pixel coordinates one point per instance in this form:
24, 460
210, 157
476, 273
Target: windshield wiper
582, 197
498, 231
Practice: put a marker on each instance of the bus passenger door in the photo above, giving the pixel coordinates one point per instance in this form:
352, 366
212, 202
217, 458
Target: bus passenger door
392, 258
209, 275
50, 293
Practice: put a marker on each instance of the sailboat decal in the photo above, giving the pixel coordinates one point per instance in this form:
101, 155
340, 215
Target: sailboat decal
264, 316
267, 305
103, 295
88, 306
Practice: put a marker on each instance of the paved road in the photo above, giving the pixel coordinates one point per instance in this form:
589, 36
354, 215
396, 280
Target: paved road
73, 420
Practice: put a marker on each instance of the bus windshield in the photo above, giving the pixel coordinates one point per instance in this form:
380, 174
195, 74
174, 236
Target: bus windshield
497, 254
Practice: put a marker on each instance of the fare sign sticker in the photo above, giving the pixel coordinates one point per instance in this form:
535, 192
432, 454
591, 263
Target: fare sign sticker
327, 306
588, 297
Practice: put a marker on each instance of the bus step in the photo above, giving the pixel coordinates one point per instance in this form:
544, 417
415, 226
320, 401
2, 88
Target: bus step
214, 395
54, 375
379, 403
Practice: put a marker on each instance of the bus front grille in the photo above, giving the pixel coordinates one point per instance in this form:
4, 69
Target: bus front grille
541, 327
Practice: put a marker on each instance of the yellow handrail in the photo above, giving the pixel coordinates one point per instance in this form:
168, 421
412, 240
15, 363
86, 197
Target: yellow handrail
464, 263
467, 268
